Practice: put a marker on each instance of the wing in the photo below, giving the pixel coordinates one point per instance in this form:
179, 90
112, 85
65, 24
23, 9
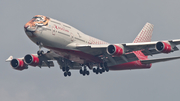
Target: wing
43, 60
158, 60
155, 47
148, 48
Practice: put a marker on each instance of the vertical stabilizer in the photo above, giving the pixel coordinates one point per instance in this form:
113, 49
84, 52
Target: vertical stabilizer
145, 34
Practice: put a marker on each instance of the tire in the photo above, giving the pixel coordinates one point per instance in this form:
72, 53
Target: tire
97, 72
63, 69
69, 73
103, 69
87, 72
84, 73
100, 71
80, 71
65, 74
94, 70
38, 53
107, 69
41, 52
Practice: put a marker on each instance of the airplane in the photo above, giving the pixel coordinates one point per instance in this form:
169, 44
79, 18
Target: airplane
74, 50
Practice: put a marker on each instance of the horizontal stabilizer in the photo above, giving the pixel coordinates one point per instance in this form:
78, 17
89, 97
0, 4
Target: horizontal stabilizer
9, 59
158, 60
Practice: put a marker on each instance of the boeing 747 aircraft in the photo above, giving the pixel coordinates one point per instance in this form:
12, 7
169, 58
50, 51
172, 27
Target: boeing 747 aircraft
73, 49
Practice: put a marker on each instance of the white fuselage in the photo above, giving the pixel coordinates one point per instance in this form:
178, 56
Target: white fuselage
66, 42
59, 36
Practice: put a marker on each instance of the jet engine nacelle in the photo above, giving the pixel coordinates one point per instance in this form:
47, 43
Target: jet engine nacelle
32, 60
115, 50
163, 47
18, 64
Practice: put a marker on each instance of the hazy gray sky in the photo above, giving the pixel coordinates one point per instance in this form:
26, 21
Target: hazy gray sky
114, 21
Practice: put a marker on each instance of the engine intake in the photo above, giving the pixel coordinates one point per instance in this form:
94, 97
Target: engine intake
18, 64
163, 47
31, 60
115, 50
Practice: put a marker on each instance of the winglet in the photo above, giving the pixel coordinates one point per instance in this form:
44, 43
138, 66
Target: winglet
9, 59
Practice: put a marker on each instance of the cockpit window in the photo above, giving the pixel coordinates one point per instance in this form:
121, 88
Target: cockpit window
38, 19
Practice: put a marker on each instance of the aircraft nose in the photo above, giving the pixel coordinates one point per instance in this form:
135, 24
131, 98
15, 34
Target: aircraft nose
26, 26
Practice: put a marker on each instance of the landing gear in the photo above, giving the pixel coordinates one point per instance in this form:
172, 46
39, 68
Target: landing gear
106, 67
65, 66
66, 71
101, 70
69, 73
40, 52
65, 74
98, 70
84, 72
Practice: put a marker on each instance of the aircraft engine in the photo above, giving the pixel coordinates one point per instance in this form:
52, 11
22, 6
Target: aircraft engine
31, 60
18, 64
163, 47
115, 50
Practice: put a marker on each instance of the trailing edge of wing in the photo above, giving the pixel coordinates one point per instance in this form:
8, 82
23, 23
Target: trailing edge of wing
158, 60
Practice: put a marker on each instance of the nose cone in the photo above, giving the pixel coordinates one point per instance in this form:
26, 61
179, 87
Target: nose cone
31, 27
28, 30
25, 27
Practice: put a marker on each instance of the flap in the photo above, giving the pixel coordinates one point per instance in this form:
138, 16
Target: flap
158, 60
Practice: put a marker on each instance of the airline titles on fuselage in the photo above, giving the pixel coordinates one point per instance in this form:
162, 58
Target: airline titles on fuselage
90, 41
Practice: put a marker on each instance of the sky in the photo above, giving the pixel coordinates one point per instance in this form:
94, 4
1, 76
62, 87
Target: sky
114, 21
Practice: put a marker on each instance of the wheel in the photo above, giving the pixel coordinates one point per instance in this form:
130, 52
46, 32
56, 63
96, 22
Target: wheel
100, 71
41, 52
103, 69
38, 53
81, 71
65, 74
63, 69
69, 73
107, 69
87, 72
48, 51
97, 72
94, 70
